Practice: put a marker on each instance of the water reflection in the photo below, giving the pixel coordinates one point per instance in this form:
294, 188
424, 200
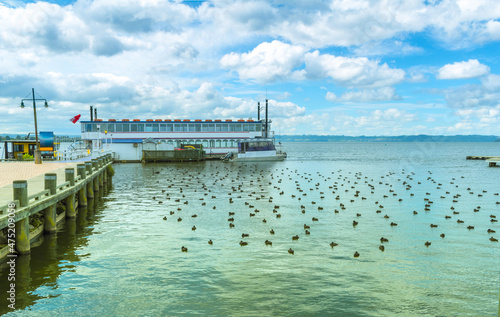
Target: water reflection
50, 256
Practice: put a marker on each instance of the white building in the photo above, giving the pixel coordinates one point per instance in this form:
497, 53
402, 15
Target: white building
125, 137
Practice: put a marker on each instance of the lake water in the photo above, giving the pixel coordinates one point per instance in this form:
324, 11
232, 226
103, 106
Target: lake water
120, 258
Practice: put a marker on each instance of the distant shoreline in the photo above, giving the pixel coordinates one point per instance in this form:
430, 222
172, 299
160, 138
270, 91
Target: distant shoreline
400, 138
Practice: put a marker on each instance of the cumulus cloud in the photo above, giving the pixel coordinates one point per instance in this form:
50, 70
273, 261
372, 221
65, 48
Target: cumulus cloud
487, 94
366, 95
466, 69
266, 63
359, 72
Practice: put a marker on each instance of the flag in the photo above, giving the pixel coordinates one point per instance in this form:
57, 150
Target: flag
75, 118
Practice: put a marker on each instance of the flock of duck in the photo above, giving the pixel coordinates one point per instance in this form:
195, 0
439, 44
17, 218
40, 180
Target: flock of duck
252, 193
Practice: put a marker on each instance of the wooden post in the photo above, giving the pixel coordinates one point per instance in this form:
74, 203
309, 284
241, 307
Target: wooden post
22, 226
49, 214
82, 193
90, 184
70, 200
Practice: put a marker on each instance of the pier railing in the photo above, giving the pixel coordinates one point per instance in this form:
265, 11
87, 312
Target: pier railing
88, 182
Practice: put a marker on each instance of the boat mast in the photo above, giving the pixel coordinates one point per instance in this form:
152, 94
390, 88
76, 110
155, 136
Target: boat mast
266, 118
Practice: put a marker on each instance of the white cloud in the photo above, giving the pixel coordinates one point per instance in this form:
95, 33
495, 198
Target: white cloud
359, 72
466, 69
267, 62
367, 95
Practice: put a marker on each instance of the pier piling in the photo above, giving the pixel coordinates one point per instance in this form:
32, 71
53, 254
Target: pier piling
49, 214
90, 185
70, 200
82, 193
20, 188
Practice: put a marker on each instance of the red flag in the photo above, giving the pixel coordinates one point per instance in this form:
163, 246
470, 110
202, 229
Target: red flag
75, 118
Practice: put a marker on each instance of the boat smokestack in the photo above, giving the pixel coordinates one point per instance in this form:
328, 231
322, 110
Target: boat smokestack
95, 113
91, 113
258, 111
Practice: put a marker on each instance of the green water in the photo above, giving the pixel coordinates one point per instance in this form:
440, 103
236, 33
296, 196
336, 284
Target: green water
120, 258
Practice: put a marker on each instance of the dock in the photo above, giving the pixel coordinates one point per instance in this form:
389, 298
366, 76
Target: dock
34, 198
494, 161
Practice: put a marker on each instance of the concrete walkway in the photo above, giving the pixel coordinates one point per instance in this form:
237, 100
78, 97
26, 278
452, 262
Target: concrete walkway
33, 173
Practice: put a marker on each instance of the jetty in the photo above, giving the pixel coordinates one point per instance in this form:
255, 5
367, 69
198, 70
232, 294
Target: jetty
494, 161
48, 195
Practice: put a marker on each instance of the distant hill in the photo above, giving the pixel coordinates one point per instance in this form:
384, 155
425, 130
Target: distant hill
399, 138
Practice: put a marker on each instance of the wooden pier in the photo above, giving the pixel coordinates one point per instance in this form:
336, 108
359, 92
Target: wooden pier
90, 181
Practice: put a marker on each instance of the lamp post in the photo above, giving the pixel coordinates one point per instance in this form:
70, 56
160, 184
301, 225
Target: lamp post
38, 153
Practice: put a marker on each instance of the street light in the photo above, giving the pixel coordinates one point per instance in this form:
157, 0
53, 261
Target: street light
38, 153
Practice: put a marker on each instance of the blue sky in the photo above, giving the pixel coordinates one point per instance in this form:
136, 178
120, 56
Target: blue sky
343, 67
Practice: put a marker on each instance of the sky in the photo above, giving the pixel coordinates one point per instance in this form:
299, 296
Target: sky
327, 67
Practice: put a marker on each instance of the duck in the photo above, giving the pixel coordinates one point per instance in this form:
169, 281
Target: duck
427, 243
356, 254
492, 239
306, 226
193, 228
296, 237
333, 244
470, 227
165, 218
210, 242
354, 223
231, 225
393, 224
415, 212
179, 219
184, 249
382, 240
381, 248
308, 232
291, 251
491, 231
242, 243
442, 235
272, 231
243, 235
267, 242
434, 226
460, 221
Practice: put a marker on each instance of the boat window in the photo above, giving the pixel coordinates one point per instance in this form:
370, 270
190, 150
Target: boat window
149, 127
119, 127
217, 143
224, 127
258, 127
245, 127
191, 127
140, 127
126, 127
169, 127
111, 128
155, 127
212, 143
238, 127
205, 143
163, 128
217, 127
133, 127
103, 127
224, 143
179, 127
251, 127
211, 127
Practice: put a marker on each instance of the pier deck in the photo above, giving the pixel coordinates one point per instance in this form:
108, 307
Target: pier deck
33, 173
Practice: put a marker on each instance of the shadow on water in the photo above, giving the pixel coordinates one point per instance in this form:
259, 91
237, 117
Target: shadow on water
50, 256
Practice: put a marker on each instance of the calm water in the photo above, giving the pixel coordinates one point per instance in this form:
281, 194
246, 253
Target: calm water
120, 258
